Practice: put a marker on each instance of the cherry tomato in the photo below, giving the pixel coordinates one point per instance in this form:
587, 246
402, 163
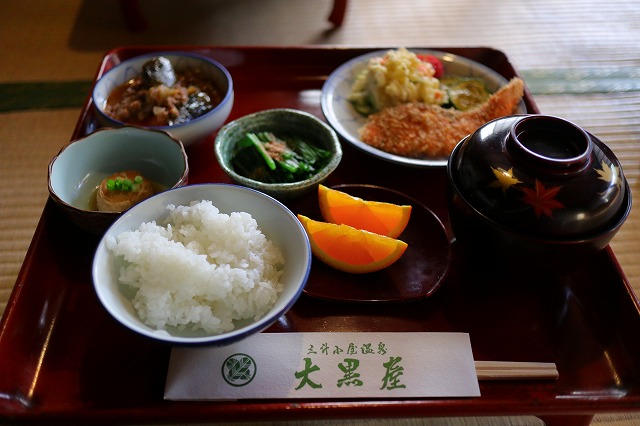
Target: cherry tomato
435, 62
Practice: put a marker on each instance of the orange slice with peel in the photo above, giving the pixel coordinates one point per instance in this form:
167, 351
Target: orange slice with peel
374, 216
349, 249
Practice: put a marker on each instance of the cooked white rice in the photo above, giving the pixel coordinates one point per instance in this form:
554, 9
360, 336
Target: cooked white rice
200, 269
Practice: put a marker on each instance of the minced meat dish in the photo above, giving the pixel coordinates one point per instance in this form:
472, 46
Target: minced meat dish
149, 101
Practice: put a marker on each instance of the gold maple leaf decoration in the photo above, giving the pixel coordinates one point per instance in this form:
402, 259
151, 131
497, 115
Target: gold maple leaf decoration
504, 179
542, 199
609, 174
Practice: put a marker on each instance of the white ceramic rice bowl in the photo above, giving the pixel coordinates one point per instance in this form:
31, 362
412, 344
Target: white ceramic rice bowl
278, 224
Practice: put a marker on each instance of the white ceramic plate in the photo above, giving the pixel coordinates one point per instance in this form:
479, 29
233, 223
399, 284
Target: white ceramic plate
346, 120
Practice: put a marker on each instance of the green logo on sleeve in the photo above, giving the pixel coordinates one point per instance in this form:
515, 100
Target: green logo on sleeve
239, 369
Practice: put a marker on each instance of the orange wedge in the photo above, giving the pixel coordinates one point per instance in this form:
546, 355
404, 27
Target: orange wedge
374, 216
349, 249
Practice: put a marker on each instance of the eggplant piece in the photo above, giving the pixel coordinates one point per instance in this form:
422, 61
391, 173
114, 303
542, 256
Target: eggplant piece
158, 71
197, 104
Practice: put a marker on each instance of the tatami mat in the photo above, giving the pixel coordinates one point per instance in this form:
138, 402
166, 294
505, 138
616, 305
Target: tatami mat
579, 57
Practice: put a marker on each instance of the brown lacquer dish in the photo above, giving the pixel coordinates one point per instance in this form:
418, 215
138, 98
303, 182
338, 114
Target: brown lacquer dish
417, 274
64, 359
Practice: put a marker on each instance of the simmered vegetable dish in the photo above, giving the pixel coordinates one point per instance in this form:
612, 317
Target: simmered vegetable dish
162, 96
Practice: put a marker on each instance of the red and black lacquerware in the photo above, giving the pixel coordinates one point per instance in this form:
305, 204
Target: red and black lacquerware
536, 184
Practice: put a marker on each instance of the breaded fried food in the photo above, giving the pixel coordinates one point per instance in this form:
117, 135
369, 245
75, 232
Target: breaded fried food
419, 130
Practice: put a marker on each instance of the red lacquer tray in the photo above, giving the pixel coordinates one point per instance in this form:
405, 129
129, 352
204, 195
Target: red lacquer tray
64, 359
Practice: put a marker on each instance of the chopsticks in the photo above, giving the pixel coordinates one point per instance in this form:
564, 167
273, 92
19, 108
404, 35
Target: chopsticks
507, 370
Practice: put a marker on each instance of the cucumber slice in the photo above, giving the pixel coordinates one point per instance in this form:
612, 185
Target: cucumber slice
465, 94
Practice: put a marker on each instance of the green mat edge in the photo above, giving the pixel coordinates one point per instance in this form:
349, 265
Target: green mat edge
72, 94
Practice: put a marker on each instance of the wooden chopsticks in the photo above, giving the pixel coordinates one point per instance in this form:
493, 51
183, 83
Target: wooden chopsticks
507, 370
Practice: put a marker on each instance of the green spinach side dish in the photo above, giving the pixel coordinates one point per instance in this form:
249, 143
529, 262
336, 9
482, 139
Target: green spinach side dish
268, 158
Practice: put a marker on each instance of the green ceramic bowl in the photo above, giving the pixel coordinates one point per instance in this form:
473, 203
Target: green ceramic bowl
278, 121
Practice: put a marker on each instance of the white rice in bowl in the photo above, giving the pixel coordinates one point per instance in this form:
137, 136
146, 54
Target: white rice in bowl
200, 269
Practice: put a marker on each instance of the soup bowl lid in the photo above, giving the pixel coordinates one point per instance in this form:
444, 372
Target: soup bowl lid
540, 175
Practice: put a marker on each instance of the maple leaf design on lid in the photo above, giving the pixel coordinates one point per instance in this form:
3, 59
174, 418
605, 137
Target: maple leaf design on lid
504, 179
542, 199
609, 174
